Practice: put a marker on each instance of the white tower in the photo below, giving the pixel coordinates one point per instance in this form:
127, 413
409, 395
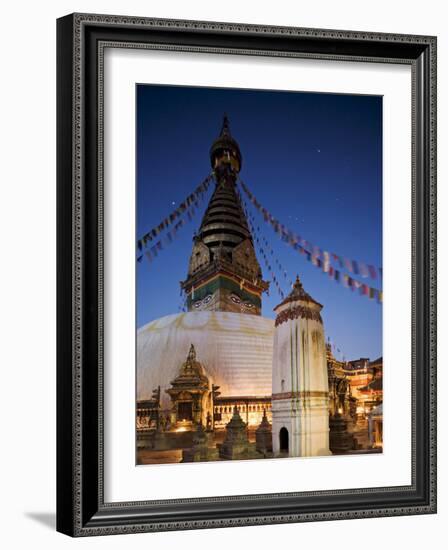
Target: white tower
299, 378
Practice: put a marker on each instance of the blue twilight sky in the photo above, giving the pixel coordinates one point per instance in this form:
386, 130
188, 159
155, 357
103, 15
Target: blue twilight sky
313, 160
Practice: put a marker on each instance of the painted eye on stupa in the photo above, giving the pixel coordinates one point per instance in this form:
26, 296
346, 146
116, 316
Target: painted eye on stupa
248, 305
207, 299
197, 304
235, 298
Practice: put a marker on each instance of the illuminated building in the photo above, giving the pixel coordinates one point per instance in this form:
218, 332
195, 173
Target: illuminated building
365, 378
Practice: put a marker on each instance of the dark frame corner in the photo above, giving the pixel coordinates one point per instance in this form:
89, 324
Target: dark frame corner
81, 510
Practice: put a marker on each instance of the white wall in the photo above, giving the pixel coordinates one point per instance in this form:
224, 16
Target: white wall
27, 233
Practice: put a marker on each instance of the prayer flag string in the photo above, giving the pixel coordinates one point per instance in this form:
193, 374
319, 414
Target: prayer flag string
152, 252
198, 193
335, 350
353, 266
335, 274
258, 239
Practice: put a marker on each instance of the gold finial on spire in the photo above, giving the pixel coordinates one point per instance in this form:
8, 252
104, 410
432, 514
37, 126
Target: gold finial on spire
225, 130
191, 354
298, 283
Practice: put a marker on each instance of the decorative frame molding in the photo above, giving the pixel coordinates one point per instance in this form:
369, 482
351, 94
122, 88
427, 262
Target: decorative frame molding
81, 510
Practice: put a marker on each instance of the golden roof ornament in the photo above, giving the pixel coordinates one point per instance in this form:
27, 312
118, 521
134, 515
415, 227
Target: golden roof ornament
191, 355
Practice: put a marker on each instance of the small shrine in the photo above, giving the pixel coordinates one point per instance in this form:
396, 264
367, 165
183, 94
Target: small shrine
236, 443
190, 395
341, 440
263, 435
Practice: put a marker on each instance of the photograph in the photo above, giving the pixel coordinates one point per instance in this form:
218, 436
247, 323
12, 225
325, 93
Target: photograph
259, 248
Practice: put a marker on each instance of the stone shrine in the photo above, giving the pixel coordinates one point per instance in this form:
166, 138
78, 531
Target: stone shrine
236, 443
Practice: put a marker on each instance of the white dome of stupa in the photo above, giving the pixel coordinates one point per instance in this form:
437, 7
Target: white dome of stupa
235, 350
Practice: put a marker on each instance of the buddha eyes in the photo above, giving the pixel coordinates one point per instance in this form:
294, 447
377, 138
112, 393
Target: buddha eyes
234, 297
237, 300
203, 302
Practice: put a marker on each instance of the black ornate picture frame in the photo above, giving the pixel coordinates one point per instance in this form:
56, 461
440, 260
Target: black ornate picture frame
81, 509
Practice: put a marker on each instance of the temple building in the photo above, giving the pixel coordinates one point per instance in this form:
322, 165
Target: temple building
232, 342
222, 382
341, 400
366, 383
356, 396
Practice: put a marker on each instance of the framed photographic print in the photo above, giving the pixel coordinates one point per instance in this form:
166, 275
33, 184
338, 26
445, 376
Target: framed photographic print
246, 274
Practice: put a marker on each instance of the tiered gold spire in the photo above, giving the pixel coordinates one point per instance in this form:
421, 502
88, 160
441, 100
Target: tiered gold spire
224, 273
